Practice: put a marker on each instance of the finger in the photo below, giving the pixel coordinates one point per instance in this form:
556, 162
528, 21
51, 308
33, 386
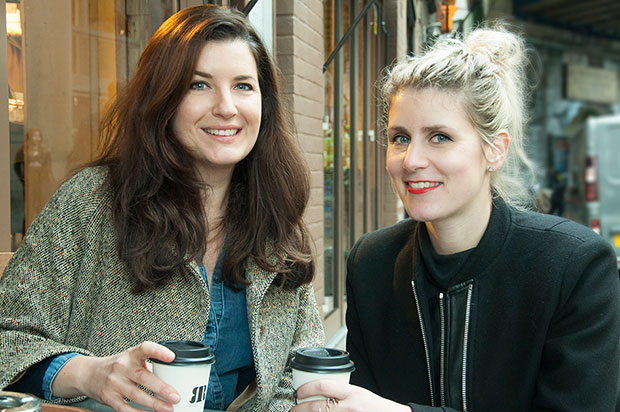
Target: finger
323, 387
149, 380
147, 400
310, 406
126, 388
315, 405
153, 350
148, 366
116, 400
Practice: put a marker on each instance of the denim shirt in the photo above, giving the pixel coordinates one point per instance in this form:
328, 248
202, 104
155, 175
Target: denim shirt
228, 334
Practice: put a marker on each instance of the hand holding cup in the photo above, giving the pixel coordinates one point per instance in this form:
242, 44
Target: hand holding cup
334, 396
113, 379
310, 364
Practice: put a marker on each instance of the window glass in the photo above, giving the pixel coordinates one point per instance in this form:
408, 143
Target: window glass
16, 117
330, 284
66, 61
349, 128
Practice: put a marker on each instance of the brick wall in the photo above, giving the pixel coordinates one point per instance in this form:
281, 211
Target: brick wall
299, 53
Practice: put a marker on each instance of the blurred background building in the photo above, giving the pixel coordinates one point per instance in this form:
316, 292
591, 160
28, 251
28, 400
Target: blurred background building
66, 59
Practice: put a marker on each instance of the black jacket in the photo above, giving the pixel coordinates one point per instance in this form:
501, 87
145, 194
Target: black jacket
538, 314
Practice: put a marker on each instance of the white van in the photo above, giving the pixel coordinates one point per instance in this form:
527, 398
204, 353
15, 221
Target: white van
593, 193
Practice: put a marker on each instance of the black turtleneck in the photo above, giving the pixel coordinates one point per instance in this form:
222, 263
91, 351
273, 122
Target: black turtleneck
441, 270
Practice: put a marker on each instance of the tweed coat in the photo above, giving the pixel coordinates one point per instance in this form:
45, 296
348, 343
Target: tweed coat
66, 290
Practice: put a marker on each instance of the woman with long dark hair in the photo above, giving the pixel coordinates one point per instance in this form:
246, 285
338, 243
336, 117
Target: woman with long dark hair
187, 226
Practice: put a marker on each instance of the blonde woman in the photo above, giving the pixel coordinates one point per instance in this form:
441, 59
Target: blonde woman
474, 304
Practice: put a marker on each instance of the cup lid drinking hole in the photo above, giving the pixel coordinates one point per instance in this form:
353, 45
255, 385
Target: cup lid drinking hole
187, 352
322, 360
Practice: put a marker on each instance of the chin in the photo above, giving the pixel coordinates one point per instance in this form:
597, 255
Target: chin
422, 215
421, 212
420, 218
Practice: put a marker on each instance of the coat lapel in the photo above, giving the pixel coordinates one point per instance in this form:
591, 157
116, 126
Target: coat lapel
255, 292
261, 280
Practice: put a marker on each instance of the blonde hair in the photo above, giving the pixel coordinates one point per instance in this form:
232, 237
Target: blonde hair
488, 67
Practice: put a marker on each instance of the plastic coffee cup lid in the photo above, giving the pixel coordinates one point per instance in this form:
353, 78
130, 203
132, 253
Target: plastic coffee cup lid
187, 352
322, 360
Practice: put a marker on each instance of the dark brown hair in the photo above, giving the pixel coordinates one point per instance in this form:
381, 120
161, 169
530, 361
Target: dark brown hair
157, 193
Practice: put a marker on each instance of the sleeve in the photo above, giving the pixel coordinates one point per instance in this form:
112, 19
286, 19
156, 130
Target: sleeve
37, 286
580, 365
362, 376
52, 370
38, 378
33, 379
309, 332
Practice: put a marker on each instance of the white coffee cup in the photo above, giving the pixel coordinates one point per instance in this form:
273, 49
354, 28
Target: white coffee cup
310, 364
188, 373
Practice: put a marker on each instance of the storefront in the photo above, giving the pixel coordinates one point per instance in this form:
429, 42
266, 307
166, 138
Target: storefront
67, 59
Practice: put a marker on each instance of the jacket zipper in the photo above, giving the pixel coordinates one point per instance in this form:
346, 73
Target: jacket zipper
465, 344
442, 358
442, 362
424, 341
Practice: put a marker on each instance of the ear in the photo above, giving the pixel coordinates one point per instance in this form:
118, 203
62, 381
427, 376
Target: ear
496, 154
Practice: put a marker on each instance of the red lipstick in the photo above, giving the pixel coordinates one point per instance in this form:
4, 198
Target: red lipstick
421, 190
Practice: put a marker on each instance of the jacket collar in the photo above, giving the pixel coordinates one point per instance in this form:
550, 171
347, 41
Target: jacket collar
488, 250
259, 278
260, 282
492, 243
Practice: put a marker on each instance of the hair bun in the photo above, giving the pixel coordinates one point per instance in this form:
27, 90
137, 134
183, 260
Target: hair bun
498, 46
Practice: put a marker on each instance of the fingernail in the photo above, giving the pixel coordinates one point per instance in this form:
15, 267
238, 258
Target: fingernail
174, 398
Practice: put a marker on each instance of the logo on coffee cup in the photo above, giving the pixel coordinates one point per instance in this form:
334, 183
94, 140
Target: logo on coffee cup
199, 394
188, 373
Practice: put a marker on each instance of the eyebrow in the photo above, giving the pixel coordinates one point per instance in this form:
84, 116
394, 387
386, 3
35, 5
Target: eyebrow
237, 78
436, 127
398, 129
426, 129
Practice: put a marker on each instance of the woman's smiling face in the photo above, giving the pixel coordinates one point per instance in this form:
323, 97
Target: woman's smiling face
436, 158
219, 118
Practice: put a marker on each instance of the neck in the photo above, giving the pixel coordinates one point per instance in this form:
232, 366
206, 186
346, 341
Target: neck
216, 200
457, 235
216, 193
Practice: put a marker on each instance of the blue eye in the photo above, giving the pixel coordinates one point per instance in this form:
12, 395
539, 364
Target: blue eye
400, 139
198, 85
440, 138
244, 86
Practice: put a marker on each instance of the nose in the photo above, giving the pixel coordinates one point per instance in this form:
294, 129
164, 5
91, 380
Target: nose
415, 158
225, 104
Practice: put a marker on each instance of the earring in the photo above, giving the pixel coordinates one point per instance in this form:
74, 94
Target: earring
490, 169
